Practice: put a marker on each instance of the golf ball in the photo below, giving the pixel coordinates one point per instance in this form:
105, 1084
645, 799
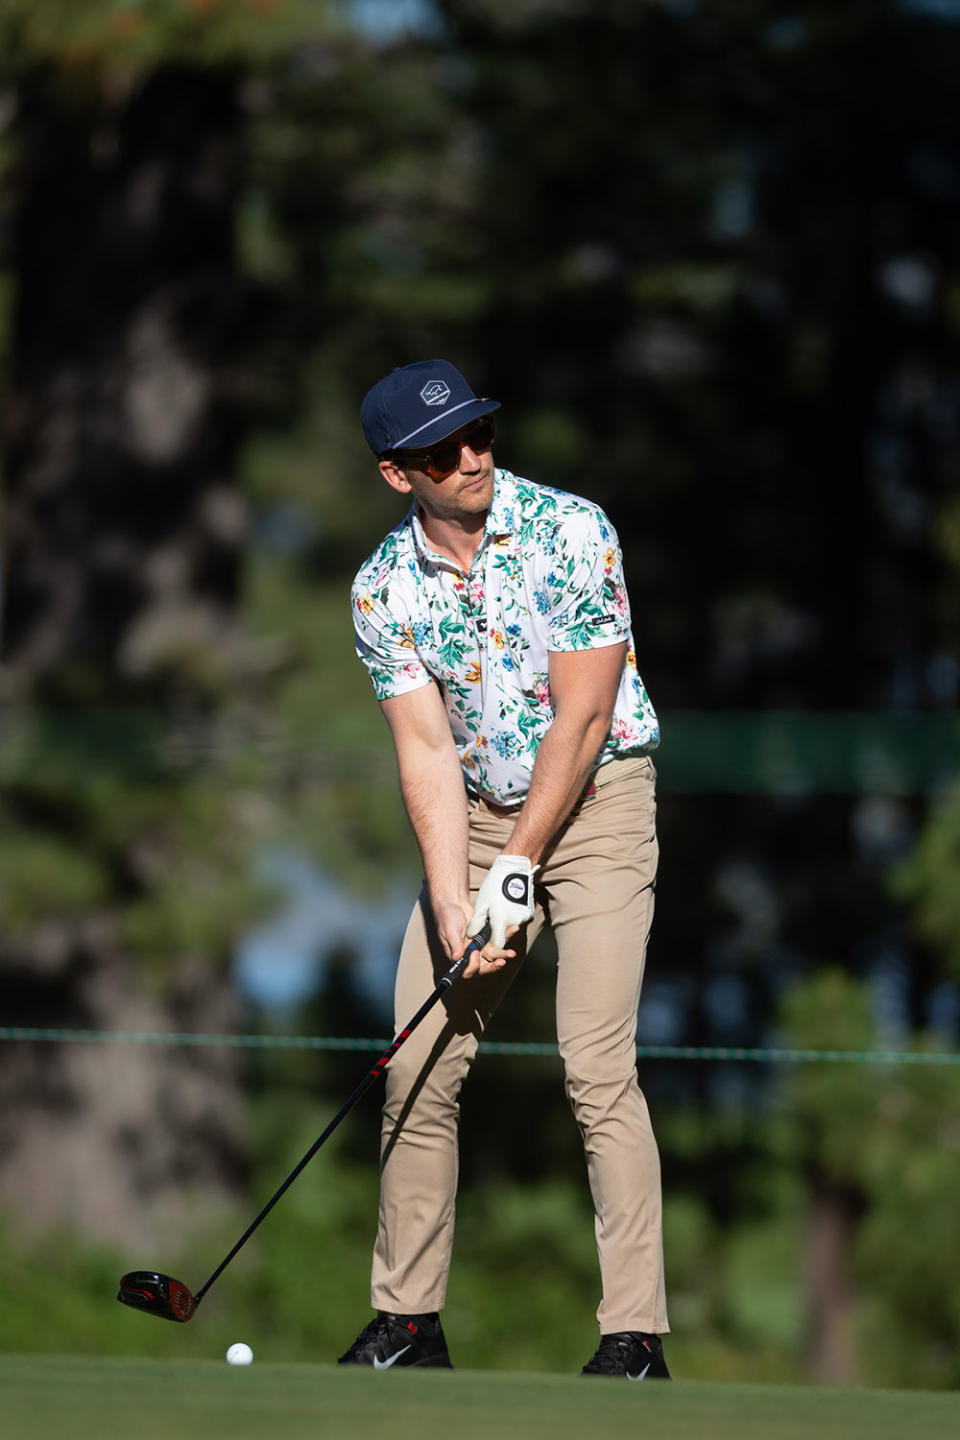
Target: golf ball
239, 1354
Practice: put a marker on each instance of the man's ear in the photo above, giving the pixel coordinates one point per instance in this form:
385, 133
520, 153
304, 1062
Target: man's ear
394, 477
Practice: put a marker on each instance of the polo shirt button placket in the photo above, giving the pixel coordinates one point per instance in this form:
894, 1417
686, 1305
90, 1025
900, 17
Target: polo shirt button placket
477, 620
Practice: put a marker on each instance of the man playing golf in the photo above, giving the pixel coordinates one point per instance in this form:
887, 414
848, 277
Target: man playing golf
494, 623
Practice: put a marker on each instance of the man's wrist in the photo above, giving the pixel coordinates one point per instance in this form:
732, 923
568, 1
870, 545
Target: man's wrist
449, 902
523, 849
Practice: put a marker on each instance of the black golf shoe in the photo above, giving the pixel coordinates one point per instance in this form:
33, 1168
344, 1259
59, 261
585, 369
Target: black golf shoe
629, 1354
400, 1340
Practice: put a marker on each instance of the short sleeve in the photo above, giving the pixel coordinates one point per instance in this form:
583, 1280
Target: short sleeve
385, 645
590, 608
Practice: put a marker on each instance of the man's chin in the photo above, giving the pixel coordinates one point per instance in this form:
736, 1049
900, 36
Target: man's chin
478, 496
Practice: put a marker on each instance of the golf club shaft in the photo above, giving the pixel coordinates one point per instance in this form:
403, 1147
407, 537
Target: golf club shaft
445, 982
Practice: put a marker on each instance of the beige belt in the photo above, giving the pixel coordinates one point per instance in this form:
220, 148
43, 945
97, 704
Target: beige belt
616, 770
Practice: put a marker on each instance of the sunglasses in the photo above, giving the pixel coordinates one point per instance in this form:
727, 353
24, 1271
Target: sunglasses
442, 459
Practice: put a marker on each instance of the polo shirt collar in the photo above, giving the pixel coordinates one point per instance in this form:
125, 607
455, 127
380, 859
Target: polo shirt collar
500, 520
500, 516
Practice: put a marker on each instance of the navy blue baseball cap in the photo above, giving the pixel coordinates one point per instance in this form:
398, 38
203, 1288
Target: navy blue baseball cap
417, 405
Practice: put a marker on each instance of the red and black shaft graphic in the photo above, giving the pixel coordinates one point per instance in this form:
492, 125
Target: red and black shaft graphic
388, 1055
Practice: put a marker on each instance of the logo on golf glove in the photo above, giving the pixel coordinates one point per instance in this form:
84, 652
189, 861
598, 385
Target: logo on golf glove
516, 888
505, 898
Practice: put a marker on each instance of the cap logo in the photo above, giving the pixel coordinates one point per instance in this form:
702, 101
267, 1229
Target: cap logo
436, 392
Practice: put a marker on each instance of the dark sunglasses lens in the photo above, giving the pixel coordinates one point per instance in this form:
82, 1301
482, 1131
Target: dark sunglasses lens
444, 459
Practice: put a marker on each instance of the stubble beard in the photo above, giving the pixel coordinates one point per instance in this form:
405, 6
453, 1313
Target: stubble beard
464, 502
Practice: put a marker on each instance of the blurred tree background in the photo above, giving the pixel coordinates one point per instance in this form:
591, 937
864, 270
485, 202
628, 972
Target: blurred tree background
707, 253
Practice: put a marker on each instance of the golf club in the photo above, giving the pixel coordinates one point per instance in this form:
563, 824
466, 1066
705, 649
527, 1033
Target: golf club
169, 1299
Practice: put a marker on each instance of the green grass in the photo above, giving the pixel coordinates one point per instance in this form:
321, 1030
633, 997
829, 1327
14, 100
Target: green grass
48, 1397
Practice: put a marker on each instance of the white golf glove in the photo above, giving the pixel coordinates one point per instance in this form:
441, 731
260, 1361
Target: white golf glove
505, 897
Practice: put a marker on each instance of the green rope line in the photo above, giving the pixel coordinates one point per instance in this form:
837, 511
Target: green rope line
489, 1047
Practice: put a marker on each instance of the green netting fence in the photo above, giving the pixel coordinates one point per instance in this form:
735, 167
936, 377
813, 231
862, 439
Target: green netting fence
490, 1047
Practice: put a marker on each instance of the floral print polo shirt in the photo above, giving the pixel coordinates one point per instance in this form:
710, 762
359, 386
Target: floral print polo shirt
547, 575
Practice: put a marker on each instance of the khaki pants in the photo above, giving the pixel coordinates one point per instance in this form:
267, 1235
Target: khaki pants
595, 889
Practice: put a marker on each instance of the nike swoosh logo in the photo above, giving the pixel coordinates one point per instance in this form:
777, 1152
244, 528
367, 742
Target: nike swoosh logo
385, 1364
629, 1376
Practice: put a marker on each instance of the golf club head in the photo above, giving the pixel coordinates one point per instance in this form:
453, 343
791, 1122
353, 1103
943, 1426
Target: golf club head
159, 1295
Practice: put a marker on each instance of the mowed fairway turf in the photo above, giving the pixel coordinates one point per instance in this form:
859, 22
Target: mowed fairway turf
50, 1397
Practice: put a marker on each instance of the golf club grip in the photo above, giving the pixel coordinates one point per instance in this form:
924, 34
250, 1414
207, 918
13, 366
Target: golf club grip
448, 979
458, 966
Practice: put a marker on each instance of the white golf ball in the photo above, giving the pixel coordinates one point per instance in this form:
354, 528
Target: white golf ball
239, 1354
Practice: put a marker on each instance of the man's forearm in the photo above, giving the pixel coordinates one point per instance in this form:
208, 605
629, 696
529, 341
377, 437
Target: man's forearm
567, 755
584, 686
436, 803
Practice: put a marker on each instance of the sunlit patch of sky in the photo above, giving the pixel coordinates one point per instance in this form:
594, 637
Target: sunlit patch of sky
284, 961
385, 21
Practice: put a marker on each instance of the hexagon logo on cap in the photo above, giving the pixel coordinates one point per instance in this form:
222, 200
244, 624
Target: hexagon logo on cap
436, 393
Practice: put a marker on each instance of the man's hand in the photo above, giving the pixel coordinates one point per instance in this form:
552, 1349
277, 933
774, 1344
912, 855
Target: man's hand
505, 898
451, 922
